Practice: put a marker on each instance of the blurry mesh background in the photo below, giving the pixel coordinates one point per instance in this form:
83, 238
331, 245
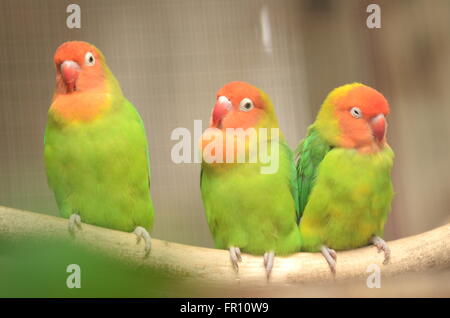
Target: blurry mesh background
171, 57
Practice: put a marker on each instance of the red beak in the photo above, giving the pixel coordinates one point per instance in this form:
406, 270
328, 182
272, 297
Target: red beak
378, 125
70, 71
221, 109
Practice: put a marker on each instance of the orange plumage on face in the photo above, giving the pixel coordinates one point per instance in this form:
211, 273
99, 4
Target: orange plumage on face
361, 115
79, 67
238, 105
84, 84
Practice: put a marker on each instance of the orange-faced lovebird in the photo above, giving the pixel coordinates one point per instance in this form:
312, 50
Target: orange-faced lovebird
344, 174
96, 152
247, 208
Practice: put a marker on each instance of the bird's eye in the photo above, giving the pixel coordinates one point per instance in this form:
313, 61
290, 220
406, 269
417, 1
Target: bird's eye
89, 59
246, 105
356, 112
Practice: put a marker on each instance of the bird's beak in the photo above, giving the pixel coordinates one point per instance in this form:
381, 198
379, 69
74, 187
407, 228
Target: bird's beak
378, 125
221, 109
70, 71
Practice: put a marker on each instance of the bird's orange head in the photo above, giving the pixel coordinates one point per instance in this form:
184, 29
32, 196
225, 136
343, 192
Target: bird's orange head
354, 116
241, 105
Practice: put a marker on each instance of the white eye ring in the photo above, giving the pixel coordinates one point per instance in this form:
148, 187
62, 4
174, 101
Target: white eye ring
246, 105
89, 59
356, 112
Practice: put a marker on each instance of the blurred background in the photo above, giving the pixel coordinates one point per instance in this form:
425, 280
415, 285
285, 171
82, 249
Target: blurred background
172, 56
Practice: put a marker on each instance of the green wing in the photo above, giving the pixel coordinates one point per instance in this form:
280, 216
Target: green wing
293, 186
309, 154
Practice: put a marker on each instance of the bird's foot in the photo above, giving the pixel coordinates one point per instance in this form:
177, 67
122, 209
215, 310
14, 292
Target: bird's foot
142, 233
331, 257
235, 257
74, 223
382, 246
268, 262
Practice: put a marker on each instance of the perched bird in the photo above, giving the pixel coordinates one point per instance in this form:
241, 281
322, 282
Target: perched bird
248, 209
344, 174
96, 152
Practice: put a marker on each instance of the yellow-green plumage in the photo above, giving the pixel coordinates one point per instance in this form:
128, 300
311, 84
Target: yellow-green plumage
251, 210
350, 195
100, 169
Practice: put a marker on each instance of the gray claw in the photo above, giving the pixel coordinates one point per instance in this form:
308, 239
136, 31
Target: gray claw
382, 246
142, 233
74, 223
331, 257
235, 256
268, 262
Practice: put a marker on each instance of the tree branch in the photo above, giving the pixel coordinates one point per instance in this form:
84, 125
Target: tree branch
420, 253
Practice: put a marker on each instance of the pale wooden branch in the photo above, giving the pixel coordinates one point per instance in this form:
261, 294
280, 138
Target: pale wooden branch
428, 251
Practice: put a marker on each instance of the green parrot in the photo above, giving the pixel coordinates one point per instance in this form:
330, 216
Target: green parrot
247, 208
96, 152
344, 174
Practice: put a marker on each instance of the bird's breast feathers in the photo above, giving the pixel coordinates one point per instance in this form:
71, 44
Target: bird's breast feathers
79, 107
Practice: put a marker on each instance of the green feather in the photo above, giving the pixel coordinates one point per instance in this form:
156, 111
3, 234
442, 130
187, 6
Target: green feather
346, 195
310, 153
293, 186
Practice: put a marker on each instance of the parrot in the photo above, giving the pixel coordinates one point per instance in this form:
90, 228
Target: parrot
344, 174
247, 210
96, 153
